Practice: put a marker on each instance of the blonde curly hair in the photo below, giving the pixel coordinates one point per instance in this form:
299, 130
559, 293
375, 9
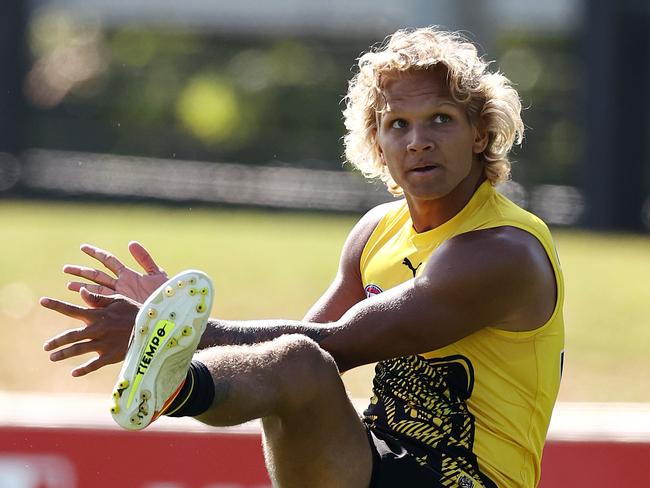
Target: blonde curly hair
490, 100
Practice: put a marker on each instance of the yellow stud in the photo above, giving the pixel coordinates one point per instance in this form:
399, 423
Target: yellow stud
180, 283
115, 409
143, 330
192, 291
187, 330
124, 383
145, 395
169, 291
204, 291
116, 395
151, 313
172, 342
200, 308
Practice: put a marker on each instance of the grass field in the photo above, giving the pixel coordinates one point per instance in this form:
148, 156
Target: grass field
274, 264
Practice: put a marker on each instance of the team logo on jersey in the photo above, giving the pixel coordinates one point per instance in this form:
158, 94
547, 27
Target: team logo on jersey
464, 481
409, 265
372, 290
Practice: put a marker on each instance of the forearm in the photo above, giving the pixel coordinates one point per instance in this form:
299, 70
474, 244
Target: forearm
226, 332
371, 330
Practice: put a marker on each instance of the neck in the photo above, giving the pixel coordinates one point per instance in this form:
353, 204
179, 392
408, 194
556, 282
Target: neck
429, 214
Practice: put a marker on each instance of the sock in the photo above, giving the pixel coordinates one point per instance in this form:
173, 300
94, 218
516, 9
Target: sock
196, 395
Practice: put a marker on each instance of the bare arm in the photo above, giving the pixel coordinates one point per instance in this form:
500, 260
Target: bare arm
498, 277
345, 291
109, 319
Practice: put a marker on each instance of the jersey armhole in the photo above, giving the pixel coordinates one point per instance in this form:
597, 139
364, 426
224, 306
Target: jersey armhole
394, 210
551, 254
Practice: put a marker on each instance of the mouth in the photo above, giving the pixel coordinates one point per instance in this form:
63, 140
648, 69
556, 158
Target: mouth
425, 168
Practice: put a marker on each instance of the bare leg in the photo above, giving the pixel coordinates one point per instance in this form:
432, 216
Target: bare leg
312, 434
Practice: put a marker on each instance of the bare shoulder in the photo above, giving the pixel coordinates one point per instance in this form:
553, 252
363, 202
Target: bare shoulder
504, 241
372, 217
347, 288
361, 232
506, 263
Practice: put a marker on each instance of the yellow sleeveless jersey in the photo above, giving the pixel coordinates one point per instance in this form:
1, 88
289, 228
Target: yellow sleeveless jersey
481, 405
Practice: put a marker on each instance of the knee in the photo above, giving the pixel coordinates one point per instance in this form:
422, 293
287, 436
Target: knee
309, 371
305, 357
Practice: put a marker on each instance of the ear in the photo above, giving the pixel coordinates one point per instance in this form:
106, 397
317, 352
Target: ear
481, 139
378, 148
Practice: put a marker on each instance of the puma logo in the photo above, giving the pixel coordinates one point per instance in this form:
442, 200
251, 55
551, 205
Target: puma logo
407, 263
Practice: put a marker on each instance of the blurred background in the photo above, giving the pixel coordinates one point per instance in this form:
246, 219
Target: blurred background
211, 132
99, 96
205, 125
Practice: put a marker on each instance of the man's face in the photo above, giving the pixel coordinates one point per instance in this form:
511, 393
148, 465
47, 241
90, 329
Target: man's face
425, 137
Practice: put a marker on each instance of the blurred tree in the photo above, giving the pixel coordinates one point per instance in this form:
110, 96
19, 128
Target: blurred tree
208, 108
546, 70
196, 95
201, 95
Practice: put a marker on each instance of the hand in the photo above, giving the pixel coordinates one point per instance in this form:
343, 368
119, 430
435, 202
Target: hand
108, 324
128, 283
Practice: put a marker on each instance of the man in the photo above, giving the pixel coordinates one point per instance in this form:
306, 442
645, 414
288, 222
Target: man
453, 290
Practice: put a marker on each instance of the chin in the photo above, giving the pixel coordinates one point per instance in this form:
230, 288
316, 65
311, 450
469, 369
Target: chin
428, 194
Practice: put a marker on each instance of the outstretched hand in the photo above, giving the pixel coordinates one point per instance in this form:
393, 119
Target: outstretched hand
108, 322
127, 282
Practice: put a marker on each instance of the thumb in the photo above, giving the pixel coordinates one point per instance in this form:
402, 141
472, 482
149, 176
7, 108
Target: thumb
96, 300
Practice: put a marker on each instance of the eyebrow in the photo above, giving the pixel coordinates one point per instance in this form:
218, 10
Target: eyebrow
433, 107
379, 114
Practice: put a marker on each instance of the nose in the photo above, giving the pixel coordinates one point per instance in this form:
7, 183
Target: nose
420, 140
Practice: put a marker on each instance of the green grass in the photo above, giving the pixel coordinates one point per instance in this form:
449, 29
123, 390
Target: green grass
275, 264
607, 316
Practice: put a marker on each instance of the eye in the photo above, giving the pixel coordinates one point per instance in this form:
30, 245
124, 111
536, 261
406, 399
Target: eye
441, 118
398, 124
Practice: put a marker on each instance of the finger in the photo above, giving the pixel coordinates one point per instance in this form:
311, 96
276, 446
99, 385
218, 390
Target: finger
98, 289
65, 308
91, 274
96, 300
104, 257
90, 366
65, 338
74, 350
143, 258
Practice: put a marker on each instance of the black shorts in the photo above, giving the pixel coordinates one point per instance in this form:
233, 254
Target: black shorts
395, 464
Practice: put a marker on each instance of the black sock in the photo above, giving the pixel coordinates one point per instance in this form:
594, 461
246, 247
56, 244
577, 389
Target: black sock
196, 395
